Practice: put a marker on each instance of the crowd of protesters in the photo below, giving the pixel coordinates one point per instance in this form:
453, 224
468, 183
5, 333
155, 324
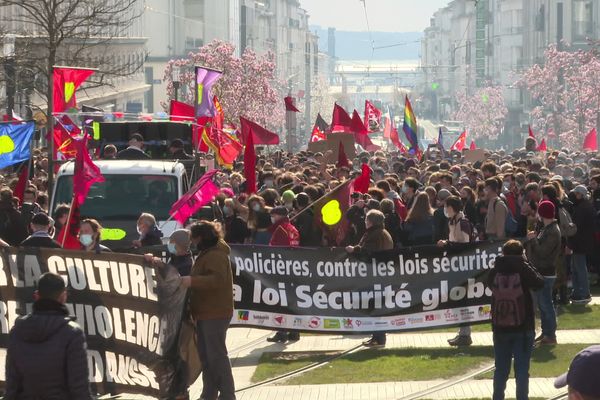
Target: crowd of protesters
549, 200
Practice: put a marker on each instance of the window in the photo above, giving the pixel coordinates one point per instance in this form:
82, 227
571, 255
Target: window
583, 19
133, 193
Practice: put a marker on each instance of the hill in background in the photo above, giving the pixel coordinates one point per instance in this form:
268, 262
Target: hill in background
357, 45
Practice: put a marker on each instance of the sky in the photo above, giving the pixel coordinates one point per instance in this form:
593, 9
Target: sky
384, 15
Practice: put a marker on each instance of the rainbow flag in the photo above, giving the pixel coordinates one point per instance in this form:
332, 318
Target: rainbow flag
410, 127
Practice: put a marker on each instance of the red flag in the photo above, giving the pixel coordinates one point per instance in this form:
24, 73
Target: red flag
473, 146
202, 193
201, 124
590, 143
68, 235
66, 82
86, 172
225, 147
395, 138
461, 142
320, 129
219, 118
342, 158
19, 191
250, 166
289, 104
361, 134
179, 111
341, 121
531, 135
64, 140
542, 146
387, 129
362, 183
259, 134
372, 117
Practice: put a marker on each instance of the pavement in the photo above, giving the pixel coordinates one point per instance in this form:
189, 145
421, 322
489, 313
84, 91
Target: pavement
246, 346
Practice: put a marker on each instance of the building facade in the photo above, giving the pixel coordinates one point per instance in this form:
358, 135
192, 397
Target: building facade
471, 44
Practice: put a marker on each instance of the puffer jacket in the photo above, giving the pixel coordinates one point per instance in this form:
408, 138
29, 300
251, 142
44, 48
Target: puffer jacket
211, 295
47, 357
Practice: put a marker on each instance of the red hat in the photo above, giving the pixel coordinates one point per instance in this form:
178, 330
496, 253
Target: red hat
546, 209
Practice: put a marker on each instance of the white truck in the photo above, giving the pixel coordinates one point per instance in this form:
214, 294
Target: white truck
130, 188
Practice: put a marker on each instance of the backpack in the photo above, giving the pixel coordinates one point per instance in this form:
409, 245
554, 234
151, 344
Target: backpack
511, 226
508, 301
467, 226
565, 223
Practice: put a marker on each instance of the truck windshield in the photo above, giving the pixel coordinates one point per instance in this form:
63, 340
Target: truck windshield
123, 197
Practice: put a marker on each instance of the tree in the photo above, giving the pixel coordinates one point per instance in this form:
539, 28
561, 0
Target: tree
483, 113
566, 92
76, 33
249, 86
322, 99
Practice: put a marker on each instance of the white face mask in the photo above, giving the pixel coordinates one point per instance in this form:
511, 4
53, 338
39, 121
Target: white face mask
256, 207
289, 206
86, 239
273, 220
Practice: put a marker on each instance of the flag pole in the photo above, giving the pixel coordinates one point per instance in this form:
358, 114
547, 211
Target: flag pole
319, 199
67, 225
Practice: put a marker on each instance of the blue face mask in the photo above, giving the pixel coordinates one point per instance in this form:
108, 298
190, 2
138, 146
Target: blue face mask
171, 247
85, 239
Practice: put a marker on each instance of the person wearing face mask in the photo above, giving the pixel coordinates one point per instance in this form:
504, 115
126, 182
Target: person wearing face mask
268, 181
179, 251
288, 198
283, 233
409, 192
89, 236
460, 230
211, 305
259, 221
236, 229
375, 239
149, 233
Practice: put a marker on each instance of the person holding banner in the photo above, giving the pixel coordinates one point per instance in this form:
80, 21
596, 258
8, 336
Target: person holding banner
89, 236
211, 304
375, 239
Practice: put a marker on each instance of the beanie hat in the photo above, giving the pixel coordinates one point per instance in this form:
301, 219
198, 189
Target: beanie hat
288, 196
546, 209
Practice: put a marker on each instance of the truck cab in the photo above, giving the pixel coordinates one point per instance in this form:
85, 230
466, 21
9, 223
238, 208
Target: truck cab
130, 188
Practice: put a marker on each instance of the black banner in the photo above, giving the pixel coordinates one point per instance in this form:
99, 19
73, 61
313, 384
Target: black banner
129, 311
328, 290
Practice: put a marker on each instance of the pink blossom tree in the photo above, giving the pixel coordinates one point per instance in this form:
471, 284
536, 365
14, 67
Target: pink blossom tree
249, 86
566, 91
483, 112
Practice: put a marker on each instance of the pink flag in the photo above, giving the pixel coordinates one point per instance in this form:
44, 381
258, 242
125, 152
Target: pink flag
86, 172
202, 193
590, 143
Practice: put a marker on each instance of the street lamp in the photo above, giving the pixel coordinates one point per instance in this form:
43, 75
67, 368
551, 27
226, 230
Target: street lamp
9, 71
176, 77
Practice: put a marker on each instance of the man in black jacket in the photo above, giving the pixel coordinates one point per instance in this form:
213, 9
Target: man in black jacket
46, 356
516, 339
40, 237
134, 151
582, 243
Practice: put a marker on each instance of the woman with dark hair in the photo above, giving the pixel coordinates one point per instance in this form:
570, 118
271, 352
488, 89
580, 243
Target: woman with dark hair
89, 236
418, 227
259, 220
211, 304
467, 196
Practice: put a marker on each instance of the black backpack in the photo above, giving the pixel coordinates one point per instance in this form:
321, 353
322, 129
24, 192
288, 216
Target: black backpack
508, 301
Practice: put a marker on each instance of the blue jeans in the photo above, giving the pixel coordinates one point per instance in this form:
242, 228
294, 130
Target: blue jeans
581, 282
506, 346
546, 306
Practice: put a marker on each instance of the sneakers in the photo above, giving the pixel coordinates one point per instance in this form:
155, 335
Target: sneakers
373, 343
460, 341
577, 300
279, 337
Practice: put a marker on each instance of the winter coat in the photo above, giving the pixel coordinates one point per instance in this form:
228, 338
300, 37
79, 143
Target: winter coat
418, 233
376, 238
310, 232
152, 238
394, 227
495, 220
40, 239
583, 242
46, 356
183, 264
530, 280
544, 249
132, 153
211, 294
283, 233
440, 225
12, 228
236, 230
